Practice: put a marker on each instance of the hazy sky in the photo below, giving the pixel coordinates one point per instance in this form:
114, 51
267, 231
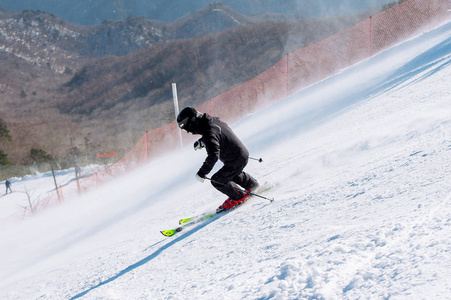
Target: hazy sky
96, 11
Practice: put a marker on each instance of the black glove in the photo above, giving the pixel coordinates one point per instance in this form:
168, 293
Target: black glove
198, 144
200, 177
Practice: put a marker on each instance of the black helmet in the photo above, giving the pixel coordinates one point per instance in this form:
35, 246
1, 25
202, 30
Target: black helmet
188, 119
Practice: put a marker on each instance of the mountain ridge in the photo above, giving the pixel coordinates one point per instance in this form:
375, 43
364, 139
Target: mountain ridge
105, 85
88, 12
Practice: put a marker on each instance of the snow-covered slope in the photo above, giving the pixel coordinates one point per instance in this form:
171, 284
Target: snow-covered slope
361, 168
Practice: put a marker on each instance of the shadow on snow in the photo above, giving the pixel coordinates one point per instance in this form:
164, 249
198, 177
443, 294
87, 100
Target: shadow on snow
146, 259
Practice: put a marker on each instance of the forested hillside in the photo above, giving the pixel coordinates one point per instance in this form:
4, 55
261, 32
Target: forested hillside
67, 88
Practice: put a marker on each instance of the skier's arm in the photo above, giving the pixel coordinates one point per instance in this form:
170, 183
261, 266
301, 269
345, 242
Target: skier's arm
213, 150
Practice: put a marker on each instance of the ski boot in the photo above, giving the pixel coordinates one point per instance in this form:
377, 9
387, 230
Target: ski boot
229, 203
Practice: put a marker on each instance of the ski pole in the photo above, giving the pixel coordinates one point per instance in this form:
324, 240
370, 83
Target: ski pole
258, 159
240, 190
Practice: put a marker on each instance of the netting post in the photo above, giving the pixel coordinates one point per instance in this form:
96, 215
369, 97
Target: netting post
288, 75
176, 110
371, 36
147, 145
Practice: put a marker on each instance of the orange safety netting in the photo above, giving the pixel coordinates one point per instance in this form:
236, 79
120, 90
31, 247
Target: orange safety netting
293, 72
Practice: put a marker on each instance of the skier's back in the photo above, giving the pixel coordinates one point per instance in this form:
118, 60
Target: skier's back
8, 186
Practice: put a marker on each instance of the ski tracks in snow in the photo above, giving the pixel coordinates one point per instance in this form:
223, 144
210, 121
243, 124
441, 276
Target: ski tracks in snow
380, 243
375, 245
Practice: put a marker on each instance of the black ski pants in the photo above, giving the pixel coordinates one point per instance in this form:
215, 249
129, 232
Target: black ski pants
231, 176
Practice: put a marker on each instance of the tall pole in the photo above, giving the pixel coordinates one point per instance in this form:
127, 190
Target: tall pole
176, 110
371, 35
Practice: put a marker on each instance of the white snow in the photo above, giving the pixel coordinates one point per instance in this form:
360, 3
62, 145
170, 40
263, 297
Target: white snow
361, 168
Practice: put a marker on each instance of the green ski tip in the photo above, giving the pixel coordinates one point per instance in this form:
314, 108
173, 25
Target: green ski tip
171, 232
187, 220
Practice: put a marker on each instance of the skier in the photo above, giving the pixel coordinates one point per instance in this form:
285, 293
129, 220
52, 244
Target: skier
8, 186
221, 144
78, 170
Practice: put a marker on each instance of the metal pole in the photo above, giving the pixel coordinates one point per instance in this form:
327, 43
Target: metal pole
240, 190
258, 159
176, 110
371, 35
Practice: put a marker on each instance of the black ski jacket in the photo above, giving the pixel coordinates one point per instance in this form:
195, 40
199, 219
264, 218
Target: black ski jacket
220, 142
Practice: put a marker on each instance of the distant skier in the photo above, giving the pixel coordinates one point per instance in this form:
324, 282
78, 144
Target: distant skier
8, 186
78, 170
221, 144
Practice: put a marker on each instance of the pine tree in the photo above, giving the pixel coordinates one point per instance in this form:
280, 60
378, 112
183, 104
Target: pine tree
4, 135
4, 132
39, 155
4, 161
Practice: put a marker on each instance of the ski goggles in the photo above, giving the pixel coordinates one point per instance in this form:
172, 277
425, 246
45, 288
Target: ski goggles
183, 124
187, 124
